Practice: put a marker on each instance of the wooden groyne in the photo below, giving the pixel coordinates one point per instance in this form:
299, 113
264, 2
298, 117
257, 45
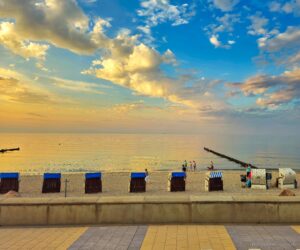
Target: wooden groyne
243, 164
9, 149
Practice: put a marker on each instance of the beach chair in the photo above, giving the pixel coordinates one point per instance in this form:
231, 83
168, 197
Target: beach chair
137, 182
214, 181
9, 182
51, 183
286, 178
259, 179
176, 181
93, 183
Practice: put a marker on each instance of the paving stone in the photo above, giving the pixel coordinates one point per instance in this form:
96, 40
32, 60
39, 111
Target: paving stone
111, 238
264, 237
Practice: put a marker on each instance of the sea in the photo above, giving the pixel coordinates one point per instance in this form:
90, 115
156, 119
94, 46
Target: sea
50, 152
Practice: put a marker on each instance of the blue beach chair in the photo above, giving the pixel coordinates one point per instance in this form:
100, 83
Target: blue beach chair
51, 183
9, 182
176, 181
137, 182
93, 183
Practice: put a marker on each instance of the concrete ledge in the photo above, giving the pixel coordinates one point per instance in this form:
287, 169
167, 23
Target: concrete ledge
149, 210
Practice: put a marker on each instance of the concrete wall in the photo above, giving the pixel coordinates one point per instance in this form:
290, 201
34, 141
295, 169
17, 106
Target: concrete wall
149, 210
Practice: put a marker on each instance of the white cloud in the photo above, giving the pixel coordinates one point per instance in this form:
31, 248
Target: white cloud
61, 23
138, 67
11, 40
223, 24
288, 39
258, 25
225, 5
156, 12
272, 91
214, 40
160, 11
289, 7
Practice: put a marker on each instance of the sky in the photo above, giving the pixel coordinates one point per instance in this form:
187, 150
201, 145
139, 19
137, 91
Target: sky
150, 66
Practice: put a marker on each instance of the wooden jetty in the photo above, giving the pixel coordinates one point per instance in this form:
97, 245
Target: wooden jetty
243, 164
9, 149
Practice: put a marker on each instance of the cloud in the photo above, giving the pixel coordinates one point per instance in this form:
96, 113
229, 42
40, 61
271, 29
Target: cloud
124, 61
289, 7
12, 40
161, 11
136, 66
214, 40
15, 87
156, 12
225, 5
223, 24
258, 24
127, 107
288, 39
78, 86
60, 23
272, 91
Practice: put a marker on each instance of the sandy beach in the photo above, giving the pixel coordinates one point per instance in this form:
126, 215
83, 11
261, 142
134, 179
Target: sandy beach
116, 183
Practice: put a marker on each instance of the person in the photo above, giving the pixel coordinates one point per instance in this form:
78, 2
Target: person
211, 166
183, 168
147, 175
185, 163
194, 165
248, 176
191, 166
248, 171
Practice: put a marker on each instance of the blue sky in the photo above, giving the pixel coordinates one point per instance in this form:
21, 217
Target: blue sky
137, 64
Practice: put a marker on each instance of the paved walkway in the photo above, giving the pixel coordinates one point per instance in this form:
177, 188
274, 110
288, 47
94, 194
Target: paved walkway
187, 237
173, 237
264, 237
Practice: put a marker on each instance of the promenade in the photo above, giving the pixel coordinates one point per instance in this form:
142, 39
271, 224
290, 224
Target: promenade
218, 237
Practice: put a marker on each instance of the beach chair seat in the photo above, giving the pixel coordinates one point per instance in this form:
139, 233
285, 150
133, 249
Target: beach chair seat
176, 181
214, 181
287, 178
93, 183
51, 183
137, 182
9, 182
259, 179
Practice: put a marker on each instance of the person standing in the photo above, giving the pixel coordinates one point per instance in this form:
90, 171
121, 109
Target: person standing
211, 166
191, 166
185, 164
183, 168
194, 166
147, 175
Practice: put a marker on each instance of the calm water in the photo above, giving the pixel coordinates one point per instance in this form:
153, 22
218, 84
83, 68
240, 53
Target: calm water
121, 152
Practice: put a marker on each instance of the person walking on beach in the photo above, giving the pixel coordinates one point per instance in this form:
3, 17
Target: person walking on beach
147, 175
191, 166
183, 168
194, 166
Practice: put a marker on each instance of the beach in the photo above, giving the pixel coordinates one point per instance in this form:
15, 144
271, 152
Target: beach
116, 184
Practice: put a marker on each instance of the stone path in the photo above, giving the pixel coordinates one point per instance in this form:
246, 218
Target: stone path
111, 237
217, 237
264, 237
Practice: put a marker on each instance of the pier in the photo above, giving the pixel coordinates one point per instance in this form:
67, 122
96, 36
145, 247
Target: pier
9, 149
243, 164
